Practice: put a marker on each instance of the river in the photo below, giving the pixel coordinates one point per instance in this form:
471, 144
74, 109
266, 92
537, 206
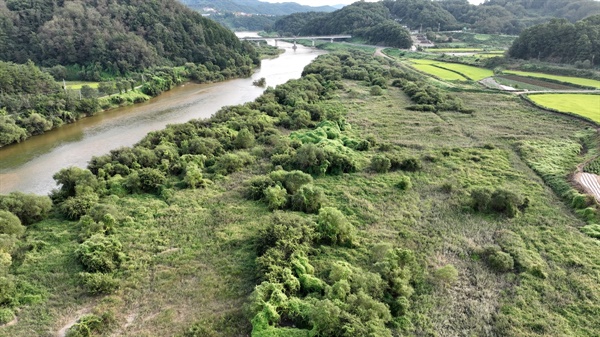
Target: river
29, 166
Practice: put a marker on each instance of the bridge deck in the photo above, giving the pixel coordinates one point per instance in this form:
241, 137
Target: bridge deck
299, 37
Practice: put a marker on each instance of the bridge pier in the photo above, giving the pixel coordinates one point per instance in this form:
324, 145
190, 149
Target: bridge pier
313, 42
331, 40
275, 42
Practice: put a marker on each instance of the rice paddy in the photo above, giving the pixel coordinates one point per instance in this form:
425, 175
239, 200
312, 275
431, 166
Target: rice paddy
586, 82
585, 105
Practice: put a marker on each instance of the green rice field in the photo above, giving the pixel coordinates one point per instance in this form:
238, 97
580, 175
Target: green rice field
579, 104
469, 72
76, 85
567, 79
473, 73
440, 73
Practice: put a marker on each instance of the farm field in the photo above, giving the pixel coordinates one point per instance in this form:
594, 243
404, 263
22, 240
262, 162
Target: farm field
579, 104
474, 73
530, 83
76, 85
567, 79
470, 72
443, 74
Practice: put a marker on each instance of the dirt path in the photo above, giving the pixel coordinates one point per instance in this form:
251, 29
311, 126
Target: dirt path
379, 52
78, 314
13, 322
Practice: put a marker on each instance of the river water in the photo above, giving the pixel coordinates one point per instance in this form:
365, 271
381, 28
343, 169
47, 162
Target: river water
29, 166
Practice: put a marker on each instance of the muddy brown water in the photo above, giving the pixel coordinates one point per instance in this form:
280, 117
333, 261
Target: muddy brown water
29, 166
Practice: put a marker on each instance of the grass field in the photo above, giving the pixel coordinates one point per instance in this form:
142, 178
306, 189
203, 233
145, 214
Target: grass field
440, 73
579, 104
76, 85
470, 72
193, 257
566, 79
473, 73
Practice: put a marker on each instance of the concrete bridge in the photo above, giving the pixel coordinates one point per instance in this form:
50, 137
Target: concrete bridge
313, 38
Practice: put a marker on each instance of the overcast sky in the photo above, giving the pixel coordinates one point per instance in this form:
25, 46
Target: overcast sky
336, 2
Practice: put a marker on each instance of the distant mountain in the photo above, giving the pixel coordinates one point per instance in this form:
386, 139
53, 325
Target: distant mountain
254, 7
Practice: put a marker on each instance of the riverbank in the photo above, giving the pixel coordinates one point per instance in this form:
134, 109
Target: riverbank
29, 166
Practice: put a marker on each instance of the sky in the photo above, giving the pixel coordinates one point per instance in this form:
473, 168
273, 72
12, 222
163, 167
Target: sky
337, 2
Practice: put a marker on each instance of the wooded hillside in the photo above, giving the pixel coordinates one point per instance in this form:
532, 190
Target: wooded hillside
115, 36
561, 41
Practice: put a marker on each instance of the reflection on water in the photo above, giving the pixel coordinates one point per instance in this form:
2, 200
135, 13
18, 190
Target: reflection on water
29, 166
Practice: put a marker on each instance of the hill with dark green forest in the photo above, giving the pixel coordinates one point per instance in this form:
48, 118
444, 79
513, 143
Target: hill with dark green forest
493, 17
369, 21
255, 6
561, 41
114, 36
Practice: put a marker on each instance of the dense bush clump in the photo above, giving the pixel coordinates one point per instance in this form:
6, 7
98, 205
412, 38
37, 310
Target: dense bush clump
100, 253
499, 201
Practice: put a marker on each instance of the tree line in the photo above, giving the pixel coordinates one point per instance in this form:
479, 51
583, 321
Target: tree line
493, 16
561, 41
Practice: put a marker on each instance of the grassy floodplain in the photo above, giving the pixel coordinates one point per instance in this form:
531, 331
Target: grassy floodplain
585, 105
324, 208
586, 82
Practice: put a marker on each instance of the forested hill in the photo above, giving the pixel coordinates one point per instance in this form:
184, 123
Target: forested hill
255, 6
371, 21
561, 41
493, 16
117, 36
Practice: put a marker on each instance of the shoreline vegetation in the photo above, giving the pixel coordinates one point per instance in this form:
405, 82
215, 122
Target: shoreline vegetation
33, 108
360, 199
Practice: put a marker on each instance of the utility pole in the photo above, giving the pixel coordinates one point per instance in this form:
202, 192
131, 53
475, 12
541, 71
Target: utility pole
64, 86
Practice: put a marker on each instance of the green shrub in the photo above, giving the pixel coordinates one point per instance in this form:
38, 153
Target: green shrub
333, 227
193, 176
99, 283
446, 275
69, 179
10, 224
404, 183
256, 187
29, 208
308, 199
91, 325
276, 197
231, 162
291, 180
380, 164
499, 201
244, 139
410, 164
501, 261
77, 206
100, 253
376, 91
151, 179
6, 315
